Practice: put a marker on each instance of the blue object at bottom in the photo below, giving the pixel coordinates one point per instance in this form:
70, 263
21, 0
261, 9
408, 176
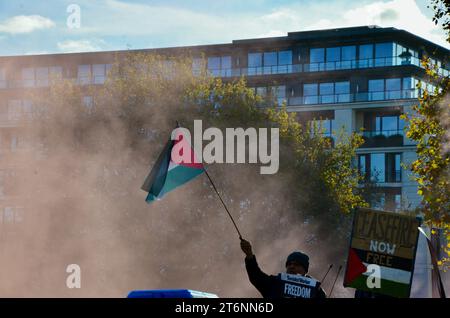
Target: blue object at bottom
170, 293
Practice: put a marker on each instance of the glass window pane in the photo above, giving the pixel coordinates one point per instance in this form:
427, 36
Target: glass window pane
284, 57
55, 71
84, 70
99, 69
407, 83
270, 58
389, 123
384, 50
28, 77
310, 90
326, 91
362, 165
226, 62
376, 85
377, 167
42, 76
378, 123
261, 91
333, 54
366, 51
348, 53
342, 88
213, 63
326, 88
393, 84
316, 55
254, 59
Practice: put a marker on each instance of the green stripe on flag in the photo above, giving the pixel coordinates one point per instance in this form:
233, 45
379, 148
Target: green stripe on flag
388, 287
176, 177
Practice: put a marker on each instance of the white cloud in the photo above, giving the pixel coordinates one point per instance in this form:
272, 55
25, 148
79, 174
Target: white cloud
402, 14
70, 46
166, 25
25, 24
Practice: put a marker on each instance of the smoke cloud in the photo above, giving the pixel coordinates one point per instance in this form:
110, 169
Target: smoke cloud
79, 182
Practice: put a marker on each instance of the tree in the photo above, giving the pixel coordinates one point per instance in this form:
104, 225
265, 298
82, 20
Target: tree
429, 127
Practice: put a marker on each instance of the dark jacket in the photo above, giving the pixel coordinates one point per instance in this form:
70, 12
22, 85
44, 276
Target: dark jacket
271, 286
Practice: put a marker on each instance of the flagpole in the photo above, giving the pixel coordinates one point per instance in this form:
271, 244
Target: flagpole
223, 203
337, 276
215, 189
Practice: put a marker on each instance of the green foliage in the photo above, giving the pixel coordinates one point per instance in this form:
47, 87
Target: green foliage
432, 167
325, 179
441, 16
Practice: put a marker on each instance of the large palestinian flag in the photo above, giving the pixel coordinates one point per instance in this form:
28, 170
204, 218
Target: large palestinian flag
382, 253
172, 168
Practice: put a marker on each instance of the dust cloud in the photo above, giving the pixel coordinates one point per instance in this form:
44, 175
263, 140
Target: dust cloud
79, 182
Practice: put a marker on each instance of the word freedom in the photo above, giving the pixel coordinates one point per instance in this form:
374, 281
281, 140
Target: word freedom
214, 151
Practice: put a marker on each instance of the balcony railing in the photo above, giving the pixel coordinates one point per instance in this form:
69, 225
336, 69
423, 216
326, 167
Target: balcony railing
318, 67
383, 138
352, 98
385, 133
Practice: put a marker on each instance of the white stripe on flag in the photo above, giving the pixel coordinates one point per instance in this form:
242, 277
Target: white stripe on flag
392, 274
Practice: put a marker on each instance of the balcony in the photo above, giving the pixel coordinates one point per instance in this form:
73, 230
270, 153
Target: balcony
353, 97
317, 67
383, 138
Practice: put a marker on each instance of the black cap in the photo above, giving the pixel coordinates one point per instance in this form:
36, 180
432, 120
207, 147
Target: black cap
300, 258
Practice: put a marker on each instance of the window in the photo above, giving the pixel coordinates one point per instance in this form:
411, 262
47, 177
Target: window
393, 167
342, 91
393, 88
285, 58
410, 88
348, 53
84, 74
197, 66
14, 109
214, 63
316, 58
377, 167
333, 57
280, 94
28, 79
310, 93
100, 72
362, 166
276, 62
3, 83
11, 215
270, 58
384, 167
348, 57
254, 63
366, 55
254, 59
317, 55
384, 53
326, 91
20, 109
376, 89
42, 76
45, 74
219, 65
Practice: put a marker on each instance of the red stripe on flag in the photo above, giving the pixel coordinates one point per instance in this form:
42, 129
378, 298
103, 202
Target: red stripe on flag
181, 142
354, 267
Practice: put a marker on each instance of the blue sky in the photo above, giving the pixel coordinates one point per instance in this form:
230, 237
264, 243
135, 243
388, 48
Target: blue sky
39, 27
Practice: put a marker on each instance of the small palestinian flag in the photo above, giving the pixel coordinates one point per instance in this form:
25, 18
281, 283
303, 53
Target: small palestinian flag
176, 165
382, 252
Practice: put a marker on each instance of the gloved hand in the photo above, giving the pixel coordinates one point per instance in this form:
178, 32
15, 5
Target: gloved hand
246, 247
